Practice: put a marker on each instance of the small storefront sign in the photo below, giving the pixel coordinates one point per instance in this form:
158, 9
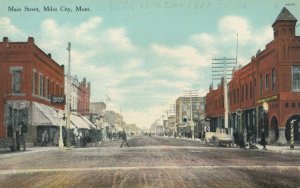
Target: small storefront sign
58, 99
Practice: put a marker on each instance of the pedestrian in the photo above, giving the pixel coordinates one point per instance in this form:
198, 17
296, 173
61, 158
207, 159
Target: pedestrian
56, 138
44, 138
263, 140
124, 139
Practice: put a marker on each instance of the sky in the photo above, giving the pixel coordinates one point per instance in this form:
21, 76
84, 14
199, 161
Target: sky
143, 54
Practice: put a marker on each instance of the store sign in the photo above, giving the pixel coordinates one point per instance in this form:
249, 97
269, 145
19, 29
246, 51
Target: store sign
58, 99
274, 97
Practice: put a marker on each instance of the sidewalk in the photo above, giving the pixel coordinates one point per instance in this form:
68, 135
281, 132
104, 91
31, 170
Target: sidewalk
27, 151
280, 149
270, 148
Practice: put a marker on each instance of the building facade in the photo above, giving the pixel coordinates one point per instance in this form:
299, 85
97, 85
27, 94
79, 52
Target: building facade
267, 90
184, 114
84, 93
29, 78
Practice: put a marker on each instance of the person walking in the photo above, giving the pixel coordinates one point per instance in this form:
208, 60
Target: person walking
124, 139
263, 140
56, 138
44, 138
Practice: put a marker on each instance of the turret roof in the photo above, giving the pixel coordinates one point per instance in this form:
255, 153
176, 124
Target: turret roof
285, 15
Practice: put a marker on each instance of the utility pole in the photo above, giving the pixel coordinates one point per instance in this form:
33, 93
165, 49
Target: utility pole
219, 70
122, 119
192, 93
68, 104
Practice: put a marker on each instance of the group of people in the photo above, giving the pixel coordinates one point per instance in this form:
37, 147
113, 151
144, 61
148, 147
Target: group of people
239, 139
46, 138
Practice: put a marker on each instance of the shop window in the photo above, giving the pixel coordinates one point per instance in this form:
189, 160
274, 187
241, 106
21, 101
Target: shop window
296, 78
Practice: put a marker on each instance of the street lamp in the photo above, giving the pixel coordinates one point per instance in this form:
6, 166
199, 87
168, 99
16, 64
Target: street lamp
266, 109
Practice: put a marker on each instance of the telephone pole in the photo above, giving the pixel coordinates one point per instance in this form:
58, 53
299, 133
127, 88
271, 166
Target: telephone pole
68, 104
220, 70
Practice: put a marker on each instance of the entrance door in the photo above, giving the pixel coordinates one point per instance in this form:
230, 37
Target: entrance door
274, 129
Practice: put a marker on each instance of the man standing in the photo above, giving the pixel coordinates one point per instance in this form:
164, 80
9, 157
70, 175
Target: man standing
263, 140
124, 139
44, 138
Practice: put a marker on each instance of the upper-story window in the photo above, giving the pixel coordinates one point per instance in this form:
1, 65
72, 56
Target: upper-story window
242, 94
267, 82
34, 81
47, 88
41, 85
273, 78
296, 78
48, 85
261, 85
16, 80
251, 89
246, 91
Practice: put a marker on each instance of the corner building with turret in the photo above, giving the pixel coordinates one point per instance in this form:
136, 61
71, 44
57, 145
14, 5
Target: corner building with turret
266, 90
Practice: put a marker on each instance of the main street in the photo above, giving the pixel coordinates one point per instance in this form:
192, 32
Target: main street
150, 162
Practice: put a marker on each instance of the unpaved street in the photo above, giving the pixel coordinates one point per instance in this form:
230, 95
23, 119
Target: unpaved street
151, 162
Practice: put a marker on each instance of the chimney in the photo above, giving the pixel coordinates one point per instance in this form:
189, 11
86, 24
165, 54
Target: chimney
49, 55
5, 39
6, 42
31, 40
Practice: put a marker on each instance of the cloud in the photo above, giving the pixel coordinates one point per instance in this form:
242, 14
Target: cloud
133, 63
184, 72
204, 39
184, 54
9, 29
117, 37
229, 26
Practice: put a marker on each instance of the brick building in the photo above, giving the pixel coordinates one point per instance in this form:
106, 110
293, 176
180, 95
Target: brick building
267, 89
183, 115
29, 77
84, 93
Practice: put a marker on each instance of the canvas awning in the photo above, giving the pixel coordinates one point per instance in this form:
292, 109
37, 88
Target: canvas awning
78, 122
91, 125
182, 125
45, 115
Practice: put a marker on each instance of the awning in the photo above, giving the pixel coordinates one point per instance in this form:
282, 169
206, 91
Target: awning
91, 125
45, 115
79, 122
182, 125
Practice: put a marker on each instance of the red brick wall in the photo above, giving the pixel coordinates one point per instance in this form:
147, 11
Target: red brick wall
280, 54
28, 56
